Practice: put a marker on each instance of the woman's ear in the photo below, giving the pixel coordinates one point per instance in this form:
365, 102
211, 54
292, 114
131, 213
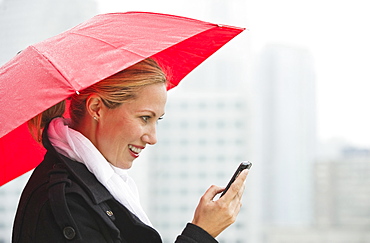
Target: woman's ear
94, 106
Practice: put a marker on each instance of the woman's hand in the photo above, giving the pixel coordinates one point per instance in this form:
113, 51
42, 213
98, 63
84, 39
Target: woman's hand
215, 216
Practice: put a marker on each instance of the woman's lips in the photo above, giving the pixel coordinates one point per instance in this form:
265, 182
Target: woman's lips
135, 150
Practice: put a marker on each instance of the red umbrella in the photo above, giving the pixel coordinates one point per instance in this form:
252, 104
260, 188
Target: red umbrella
50, 71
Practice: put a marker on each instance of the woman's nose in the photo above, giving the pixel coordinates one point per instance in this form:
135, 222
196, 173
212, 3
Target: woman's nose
150, 137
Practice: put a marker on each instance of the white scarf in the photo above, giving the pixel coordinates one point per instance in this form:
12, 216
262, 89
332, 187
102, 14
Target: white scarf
75, 146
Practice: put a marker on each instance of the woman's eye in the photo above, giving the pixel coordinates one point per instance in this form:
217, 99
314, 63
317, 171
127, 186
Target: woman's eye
145, 118
160, 118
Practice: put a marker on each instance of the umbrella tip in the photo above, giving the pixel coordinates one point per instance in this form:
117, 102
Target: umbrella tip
78, 93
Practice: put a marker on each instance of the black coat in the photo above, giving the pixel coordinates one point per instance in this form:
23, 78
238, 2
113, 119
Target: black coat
64, 202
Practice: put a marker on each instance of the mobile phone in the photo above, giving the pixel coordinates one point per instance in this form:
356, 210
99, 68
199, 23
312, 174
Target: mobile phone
243, 165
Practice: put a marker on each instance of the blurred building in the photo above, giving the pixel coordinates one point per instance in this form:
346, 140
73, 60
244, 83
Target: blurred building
9, 195
286, 137
343, 194
341, 199
24, 22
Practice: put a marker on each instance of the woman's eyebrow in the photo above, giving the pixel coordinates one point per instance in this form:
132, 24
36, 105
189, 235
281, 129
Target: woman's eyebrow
150, 111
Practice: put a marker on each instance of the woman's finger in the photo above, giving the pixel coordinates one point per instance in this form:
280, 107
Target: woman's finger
212, 192
235, 188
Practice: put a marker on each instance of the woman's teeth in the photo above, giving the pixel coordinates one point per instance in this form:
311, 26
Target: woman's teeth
134, 149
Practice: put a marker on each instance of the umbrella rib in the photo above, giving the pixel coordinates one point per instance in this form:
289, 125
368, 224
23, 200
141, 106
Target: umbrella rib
89, 36
116, 47
52, 64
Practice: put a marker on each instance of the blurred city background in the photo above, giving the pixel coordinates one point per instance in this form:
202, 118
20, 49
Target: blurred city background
289, 94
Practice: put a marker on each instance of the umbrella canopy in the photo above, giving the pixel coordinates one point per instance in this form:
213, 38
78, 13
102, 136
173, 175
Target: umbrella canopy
52, 70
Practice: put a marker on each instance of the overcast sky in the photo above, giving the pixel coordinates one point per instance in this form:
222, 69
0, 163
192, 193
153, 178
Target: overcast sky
334, 31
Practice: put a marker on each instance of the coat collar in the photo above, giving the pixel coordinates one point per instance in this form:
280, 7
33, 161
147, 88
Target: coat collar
79, 171
87, 180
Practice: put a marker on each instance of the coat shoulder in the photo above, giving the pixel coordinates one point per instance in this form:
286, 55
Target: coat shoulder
63, 201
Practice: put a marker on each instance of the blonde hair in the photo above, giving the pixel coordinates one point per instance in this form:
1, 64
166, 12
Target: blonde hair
37, 123
114, 91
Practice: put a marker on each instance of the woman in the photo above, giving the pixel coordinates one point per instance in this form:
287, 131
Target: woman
81, 191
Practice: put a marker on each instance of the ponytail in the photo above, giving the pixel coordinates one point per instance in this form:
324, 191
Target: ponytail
37, 124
